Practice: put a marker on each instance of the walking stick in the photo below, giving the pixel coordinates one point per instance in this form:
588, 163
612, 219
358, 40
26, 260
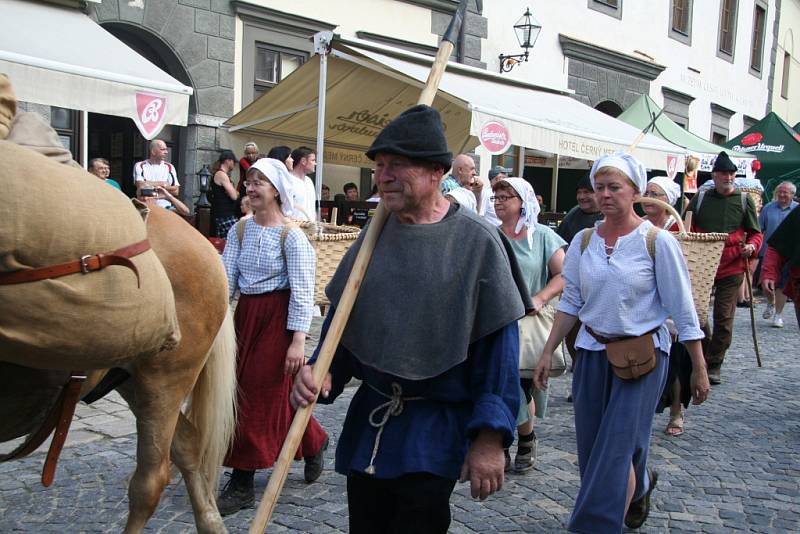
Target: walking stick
348, 298
748, 276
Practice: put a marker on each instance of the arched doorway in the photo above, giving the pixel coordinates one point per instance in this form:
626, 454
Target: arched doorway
116, 138
609, 107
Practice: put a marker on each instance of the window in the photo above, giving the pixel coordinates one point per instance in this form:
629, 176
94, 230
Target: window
609, 7
757, 45
65, 123
274, 44
787, 63
680, 21
727, 29
718, 138
273, 64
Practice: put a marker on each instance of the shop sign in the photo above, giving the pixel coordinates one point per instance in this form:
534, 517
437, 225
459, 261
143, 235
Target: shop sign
495, 137
752, 143
151, 112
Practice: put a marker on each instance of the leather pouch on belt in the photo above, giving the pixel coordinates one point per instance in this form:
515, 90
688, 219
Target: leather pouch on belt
633, 357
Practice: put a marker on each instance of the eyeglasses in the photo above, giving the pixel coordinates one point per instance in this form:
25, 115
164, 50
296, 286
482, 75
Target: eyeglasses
501, 198
654, 194
254, 183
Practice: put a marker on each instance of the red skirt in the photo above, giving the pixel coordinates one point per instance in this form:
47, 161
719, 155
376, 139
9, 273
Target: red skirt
265, 415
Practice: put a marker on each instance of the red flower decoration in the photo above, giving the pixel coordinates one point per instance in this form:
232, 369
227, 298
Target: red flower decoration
756, 165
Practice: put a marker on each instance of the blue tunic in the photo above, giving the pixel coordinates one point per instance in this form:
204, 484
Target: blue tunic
431, 434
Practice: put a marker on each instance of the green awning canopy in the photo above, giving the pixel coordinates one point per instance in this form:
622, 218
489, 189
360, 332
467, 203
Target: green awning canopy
640, 114
774, 143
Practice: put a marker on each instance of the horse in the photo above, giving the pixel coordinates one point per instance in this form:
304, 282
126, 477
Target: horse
200, 370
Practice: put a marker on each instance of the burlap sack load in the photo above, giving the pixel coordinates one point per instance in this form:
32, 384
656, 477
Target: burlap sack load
52, 213
8, 106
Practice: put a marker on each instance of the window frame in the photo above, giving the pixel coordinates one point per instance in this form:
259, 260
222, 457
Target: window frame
787, 67
275, 30
72, 132
721, 53
758, 40
678, 35
265, 86
604, 7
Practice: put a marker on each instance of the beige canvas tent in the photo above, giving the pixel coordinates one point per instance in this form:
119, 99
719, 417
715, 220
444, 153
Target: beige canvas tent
363, 86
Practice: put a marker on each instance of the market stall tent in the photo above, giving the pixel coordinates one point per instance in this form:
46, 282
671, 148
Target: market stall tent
641, 113
366, 85
774, 143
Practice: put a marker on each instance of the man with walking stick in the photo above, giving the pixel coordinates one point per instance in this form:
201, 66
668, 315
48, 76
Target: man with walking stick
726, 210
433, 337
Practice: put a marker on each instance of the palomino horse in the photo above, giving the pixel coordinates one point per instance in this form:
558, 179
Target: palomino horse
201, 369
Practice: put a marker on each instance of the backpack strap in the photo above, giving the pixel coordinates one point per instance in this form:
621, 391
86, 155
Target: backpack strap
744, 201
652, 235
586, 236
288, 227
700, 197
240, 230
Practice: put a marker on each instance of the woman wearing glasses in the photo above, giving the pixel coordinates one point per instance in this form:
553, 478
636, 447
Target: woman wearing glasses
676, 391
663, 189
540, 254
272, 265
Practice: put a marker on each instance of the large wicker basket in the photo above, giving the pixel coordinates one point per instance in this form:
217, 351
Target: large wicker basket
702, 252
757, 196
330, 243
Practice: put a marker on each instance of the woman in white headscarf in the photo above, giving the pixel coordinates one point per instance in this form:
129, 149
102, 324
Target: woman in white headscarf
272, 265
623, 279
540, 255
665, 190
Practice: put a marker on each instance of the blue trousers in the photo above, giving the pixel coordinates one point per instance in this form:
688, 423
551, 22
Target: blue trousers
613, 421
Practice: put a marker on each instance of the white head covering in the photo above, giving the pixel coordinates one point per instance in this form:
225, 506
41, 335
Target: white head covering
630, 167
464, 197
529, 213
279, 177
672, 189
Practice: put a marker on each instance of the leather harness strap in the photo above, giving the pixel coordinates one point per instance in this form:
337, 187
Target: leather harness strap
86, 264
59, 418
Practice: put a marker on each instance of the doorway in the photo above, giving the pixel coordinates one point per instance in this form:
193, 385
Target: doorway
118, 140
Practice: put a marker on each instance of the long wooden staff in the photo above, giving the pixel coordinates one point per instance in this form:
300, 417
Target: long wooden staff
348, 298
748, 275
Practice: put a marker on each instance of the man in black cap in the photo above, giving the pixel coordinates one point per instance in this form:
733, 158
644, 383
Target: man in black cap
433, 337
584, 215
725, 209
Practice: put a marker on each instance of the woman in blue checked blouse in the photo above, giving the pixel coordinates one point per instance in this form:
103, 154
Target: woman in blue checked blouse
615, 287
273, 269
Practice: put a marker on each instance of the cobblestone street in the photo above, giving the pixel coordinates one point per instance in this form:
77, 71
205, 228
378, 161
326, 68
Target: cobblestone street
735, 469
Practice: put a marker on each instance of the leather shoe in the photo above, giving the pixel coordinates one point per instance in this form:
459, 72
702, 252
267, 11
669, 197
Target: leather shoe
314, 464
640, 508
235, 497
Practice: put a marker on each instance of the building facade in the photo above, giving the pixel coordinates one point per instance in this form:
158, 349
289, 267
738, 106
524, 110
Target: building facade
786, 86
716, 66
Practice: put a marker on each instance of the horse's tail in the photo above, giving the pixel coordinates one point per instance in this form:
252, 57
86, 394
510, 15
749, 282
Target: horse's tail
213, 405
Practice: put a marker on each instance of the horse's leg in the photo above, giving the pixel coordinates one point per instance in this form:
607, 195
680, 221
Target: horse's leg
156, 404
187, 456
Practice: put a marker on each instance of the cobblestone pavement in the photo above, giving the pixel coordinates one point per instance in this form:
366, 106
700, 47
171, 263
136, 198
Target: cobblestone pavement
734, 470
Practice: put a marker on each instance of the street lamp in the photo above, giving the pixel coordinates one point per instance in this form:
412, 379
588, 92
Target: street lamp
204, 177
527, 31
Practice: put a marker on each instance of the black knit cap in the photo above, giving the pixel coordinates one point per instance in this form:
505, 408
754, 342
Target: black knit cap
585, 183
724, 164
417, 133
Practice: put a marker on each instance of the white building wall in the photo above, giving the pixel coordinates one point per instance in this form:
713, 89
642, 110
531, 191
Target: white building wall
788, 41
643, 31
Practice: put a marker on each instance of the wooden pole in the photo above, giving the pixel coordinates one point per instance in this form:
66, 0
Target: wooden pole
348, 298
748, 276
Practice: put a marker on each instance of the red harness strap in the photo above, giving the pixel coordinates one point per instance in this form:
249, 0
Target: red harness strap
85, 265
59, 418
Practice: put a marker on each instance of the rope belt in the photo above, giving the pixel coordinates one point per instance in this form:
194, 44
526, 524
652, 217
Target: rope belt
392, 407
